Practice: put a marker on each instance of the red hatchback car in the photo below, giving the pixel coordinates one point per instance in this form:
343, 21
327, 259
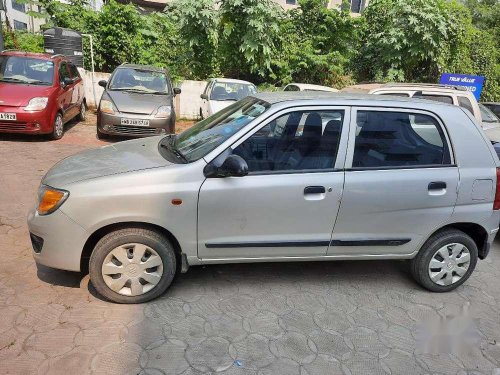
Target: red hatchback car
39, 93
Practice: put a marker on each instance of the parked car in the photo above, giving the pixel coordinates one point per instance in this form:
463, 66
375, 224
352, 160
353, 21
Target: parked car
220, 93
493, 107
385, 178
137, 101
39, 93
455, 95
307, 87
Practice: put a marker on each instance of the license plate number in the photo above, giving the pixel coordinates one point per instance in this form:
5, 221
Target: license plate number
8, 116
135, 122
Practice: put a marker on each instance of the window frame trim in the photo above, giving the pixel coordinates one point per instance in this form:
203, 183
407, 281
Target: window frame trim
341, 151
352, 139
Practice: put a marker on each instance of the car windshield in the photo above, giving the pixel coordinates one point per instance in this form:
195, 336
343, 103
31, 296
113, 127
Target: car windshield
231, 91
206, 135
487, 115
26, 70
139, 80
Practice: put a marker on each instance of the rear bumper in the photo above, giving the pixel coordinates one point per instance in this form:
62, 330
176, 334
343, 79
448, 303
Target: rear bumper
111, 124
34, 122
57, 240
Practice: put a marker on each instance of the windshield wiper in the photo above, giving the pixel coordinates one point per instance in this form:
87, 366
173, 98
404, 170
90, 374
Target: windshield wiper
170, 147
10, 79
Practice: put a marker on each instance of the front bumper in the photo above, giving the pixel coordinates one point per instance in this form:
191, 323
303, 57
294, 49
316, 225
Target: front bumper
111, 125
62, 240
27, 122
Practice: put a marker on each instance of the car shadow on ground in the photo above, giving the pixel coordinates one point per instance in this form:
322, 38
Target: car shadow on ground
266, 276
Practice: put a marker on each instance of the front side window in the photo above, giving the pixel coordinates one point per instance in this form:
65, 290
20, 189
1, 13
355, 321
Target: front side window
398, 139
20, 69
63, 72
74, 72
222, 91
297, 141
207, 135
139, 80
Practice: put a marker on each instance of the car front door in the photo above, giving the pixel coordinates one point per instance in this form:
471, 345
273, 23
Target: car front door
287, 205
77, 94
66, 91
400, 183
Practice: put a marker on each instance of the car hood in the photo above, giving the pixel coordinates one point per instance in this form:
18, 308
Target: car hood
132, 102
17, 94
218, 105
109, 160
492, 130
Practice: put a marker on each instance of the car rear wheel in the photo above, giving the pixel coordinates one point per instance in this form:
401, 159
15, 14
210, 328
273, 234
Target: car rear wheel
132, 265
58, 130
445, 261
83, 112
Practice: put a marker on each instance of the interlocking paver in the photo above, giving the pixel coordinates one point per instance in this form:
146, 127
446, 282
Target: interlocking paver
244, 319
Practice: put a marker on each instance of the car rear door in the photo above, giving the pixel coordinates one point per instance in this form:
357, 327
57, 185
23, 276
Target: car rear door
287, 205
401, 183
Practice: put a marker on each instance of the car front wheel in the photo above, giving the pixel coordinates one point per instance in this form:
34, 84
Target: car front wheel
445, 261
132, 265
83, 112
58, 130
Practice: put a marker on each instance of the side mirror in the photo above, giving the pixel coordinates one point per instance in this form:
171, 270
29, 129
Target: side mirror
233, 166
66, 81
204, 96
177, 91
103, 83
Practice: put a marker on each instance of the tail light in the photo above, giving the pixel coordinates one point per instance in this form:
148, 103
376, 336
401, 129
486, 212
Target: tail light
496, 203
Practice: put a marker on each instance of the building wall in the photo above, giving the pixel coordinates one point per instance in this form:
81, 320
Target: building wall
356, 5
19, 19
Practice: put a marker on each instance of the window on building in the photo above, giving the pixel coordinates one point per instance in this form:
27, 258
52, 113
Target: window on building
291, 2
18, 25
356, 6
398, 139
18, 6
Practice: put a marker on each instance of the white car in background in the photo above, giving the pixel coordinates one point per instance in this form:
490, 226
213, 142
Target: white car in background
307, 87
220, 93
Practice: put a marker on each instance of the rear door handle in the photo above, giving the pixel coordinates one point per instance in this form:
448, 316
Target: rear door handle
437, 185
314, 190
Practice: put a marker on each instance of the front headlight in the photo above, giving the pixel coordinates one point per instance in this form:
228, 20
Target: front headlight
37, 104
107, 107
50, 199
164, 111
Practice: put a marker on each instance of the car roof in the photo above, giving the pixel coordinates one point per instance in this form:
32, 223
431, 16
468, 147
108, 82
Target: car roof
37, 55
343, 98
141, 67
231, 80
313, 87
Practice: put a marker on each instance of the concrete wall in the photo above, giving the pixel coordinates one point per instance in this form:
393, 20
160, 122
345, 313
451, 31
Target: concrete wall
187, 104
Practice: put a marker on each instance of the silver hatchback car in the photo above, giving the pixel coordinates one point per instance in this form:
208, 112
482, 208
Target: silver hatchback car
277, 177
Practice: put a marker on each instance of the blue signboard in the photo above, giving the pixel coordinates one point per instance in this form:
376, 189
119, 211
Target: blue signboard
472, 83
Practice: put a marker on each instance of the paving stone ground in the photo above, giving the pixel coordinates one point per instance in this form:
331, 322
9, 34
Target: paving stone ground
294, 318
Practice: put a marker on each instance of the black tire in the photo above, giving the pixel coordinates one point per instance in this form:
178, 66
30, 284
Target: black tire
57, 133
83, 111
419, 265
152, 240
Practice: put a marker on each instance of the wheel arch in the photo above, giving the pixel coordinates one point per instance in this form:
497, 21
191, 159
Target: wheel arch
477, 232
101, 232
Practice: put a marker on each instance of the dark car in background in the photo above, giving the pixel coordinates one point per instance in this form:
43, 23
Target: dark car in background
39, 93
493, 107
138, 100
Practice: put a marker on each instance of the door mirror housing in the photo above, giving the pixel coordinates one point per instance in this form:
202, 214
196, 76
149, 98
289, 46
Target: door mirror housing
103, 83
233, 166
177, 91
66, 81
204, 96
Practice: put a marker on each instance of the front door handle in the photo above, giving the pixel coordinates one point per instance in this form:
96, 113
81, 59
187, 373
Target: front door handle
314, 190
437, 185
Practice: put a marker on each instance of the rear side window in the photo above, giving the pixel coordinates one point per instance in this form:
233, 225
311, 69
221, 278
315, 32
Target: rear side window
398, 139
465, 103
437, 98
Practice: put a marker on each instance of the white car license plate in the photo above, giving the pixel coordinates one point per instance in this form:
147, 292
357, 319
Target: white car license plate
134, 122
8, 116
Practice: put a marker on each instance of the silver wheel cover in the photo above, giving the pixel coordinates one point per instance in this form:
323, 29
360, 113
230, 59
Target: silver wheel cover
132, 269
59, 126
449, 264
